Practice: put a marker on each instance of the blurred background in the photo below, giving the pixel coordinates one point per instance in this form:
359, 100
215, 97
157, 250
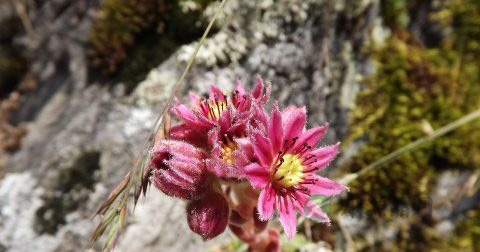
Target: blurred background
82, 81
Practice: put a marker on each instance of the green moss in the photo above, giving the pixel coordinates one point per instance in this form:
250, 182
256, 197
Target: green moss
132, 36
413, 87
467, 234
395, 12
420, 237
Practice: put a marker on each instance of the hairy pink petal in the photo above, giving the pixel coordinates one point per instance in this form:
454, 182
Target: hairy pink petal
183, 113
325, 187
245, 146
194, 99
239, 88
268, 90
202, 122
266, 202
185, 133
324, 156
316, 214
288, 217
189, 171
180, 148
260, 119
258, 89
311, 137
213, 136
275, 130
225, 120
221, 169
238, 129
257, 175
174, 177
216, 94
263, 149
170, 189
294, 120
310, 209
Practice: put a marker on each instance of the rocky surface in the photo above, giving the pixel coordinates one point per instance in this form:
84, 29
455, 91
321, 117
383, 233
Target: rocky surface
307, 49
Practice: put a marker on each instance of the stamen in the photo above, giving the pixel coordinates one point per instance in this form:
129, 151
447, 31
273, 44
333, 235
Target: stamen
280, 164
310, 162
308, 158
287, 147
309, 182
303, 190
311, 170
293, 195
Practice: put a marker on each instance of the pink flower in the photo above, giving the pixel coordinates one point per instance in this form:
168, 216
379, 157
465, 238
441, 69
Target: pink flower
205, 114
287, 166
178, 169
231, 149
257, 91
219, 124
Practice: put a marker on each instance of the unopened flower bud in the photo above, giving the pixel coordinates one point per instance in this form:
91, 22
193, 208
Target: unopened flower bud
178, 169
274, 245
208, 216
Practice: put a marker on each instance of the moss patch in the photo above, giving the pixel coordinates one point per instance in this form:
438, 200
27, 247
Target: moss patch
132, 36
417, 89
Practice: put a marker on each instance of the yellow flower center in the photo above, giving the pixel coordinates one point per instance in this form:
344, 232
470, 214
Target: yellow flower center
289, 172
227, 152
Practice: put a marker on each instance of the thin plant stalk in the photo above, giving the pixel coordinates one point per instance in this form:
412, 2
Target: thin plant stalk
413, 145
114, 209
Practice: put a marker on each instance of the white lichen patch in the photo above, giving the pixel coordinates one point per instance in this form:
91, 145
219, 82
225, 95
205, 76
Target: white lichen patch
245, 24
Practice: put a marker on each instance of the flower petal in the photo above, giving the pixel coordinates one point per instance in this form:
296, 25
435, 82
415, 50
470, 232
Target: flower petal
239, 88
258, 89
194, 99
294, 120
266, 202
245, 146
288, 217
268, 90
275, 130
185, 133
323, 156
315, 213
310, 137
325, 187
221, 169
260, 120
225, 120
263, 148
216, 94
183, 113
257, 175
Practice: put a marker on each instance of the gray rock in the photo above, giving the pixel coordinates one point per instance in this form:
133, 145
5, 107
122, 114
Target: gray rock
307, 49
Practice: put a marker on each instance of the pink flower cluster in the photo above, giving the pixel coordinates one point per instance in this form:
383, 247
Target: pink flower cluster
236, 164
